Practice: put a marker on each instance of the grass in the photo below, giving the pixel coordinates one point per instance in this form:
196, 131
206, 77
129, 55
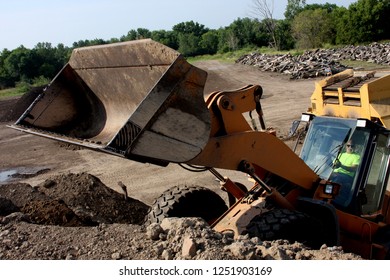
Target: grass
225, 57
5, 93
364, 65
23, 87
232, 56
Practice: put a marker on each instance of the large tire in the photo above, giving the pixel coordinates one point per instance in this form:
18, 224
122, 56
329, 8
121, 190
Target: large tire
383, 238
288, 225
186, 201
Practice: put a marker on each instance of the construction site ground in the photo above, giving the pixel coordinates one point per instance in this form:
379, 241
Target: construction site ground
69, 204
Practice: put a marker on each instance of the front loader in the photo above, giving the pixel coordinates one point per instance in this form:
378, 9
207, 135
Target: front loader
346, 108
143, 101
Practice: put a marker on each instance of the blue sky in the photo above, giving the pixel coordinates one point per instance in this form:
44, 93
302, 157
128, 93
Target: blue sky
28, 22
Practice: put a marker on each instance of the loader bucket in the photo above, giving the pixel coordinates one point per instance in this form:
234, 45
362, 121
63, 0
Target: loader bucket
138, 99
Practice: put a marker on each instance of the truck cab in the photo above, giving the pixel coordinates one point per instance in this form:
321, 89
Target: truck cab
363, 191
350, 114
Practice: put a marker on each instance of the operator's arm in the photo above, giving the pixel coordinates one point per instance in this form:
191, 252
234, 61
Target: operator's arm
348, 162
348, 168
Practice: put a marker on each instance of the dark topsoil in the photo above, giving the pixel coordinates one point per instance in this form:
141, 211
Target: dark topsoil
71, 200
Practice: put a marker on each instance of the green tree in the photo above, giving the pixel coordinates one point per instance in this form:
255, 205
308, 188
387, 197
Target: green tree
114, 40
210, 41
5, 80
16, 65
223, 45
143, 33
189, 44
293, 8
25, 65
130, 36
263, 10
46, 60
86, 43
284, 35
327, 6
249, 32
383, 23
62, 54
228, 40
190, 27
167, 38
189, 36
364, 21
140, 33
312, 28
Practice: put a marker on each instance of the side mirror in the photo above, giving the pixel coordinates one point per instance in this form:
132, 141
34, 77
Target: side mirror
294, 128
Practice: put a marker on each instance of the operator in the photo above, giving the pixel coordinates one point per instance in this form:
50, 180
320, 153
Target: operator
347, 162
345, 167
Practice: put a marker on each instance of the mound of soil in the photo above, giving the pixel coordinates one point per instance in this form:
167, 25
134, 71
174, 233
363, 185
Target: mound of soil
20, 194
73, 200
52, 212
42, 222
7, 207
89, 197
14, 108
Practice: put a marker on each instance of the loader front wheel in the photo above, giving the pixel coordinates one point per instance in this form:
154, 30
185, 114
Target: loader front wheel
186, 201
288, 225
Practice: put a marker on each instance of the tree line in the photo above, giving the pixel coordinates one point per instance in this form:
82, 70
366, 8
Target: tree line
304, 27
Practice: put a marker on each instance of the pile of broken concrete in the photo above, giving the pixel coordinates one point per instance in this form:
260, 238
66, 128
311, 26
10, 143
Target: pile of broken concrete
319, 62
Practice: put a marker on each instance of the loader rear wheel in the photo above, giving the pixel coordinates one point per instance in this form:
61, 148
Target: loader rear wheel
186, 201
286, 224
383, 238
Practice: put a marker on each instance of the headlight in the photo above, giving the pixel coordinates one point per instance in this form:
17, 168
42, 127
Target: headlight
328, 189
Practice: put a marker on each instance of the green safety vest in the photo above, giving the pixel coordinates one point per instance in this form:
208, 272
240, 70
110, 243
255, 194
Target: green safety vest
348, 160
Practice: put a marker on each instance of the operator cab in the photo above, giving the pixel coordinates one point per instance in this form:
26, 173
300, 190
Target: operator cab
365, 145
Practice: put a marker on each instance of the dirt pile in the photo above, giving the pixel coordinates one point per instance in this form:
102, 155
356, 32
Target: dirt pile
14, 108
73, 200
75, 216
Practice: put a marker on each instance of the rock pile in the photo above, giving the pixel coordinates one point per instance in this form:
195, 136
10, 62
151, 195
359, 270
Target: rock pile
375, 53
192, 238
174, 239
320, 62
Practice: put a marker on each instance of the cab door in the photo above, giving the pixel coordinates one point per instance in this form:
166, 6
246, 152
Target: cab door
376, 188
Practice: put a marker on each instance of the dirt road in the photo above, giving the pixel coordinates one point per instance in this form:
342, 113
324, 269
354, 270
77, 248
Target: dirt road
32, 159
